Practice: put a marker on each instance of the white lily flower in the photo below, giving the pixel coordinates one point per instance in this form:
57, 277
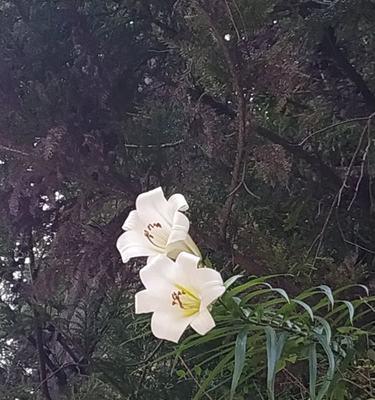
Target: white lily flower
157, 226
178, 294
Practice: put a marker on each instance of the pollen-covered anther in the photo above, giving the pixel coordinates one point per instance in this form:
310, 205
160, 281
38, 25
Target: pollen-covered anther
151, 238
154, 225
176, 299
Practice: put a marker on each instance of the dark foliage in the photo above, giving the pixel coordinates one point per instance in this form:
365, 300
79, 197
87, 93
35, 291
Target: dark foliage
260, 111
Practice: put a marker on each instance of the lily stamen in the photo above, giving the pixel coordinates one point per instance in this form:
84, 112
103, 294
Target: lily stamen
159, 235
176, 299
186, 300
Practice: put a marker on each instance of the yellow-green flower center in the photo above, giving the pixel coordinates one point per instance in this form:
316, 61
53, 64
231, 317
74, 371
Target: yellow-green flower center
186, 300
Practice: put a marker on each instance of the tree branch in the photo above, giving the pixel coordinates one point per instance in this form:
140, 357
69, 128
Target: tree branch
154, 146
38, 327
241, 116
319, 166
296, 150
42, 357
341, 60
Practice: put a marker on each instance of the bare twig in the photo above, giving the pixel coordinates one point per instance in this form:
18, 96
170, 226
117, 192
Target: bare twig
327, 128
337, 199
233, 20
349, 169
370, 189
320, 236
243, 183
240, 14
296, 381
12, 150
198, 101
143, 375
249, 191
154, 146
193, 377
363, 161
258, 390
356, 245
55, 372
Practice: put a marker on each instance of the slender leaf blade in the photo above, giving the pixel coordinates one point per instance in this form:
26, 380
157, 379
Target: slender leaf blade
239, 359
307, 308
229, 282
275, 344
350, 307
313, 370
331, 367
326, 327
212, 375
328, 292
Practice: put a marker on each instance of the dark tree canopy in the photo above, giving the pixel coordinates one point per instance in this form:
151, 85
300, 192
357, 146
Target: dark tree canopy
261, 112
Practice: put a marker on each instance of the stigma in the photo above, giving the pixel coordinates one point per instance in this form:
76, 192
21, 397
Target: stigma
186, 300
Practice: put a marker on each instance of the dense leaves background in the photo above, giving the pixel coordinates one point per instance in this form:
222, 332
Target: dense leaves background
260, 112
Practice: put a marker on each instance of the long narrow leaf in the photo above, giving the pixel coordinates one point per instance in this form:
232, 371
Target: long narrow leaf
213, 374
313, 370
239, 359
281, 292
350, 307
328, 292
251, 283
365, 288
331, 367
306, 307
229, 282
254, 294
275, 344
326, 328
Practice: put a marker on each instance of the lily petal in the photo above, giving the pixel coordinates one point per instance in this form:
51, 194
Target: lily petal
210, 283
193, 248
207, 277
154, 207
203, 322
178, 202
180, 228
144, 302
187, 262
132, 222
186, 265
131, 244
158, 274
210, 294
165, 325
